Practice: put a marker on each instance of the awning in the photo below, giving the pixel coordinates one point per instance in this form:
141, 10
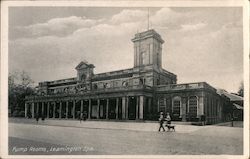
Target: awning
238, 106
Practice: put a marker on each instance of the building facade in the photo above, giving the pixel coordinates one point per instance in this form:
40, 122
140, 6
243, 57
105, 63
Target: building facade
138, 93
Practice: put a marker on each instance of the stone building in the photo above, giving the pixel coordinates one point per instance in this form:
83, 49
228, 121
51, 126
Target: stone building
138, 93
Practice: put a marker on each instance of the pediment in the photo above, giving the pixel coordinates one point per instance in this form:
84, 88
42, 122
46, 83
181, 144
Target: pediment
84, 65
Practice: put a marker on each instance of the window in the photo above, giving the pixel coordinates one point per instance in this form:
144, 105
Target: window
144, 57
95, 86
83, 77
193, 106
142, 81
158, 58
158, 82
177, 106
106, 85
124, 83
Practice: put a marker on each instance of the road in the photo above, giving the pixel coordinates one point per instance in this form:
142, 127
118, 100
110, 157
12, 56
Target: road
60, 140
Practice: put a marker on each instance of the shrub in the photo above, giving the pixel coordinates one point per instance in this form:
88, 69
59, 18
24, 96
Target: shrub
15, 113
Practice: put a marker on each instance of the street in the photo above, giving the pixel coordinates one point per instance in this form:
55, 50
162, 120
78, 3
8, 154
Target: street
31, 138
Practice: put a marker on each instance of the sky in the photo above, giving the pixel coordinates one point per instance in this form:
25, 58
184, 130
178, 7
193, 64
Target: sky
201, 44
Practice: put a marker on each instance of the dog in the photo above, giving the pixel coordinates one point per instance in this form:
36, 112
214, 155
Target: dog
170, 127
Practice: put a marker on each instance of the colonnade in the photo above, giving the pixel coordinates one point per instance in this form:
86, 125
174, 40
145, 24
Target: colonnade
94, 108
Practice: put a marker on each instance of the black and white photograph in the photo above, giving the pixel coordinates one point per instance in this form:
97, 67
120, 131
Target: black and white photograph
119, 79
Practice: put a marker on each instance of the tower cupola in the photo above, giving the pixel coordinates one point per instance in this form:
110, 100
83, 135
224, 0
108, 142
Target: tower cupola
148, 48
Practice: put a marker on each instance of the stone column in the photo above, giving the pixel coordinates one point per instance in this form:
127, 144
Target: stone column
42, 109
81, 107
89, 113
141, 107
107, 109
48, 110
116, 108
37, 108
158, 105
25, 109
181, 107
54, 110
67, 109
219, 109
137, 108
200, 106
33, 110
60, 110
98, 108
74, 109
184, 107
165, 105
126, 107
149, 105
123, 107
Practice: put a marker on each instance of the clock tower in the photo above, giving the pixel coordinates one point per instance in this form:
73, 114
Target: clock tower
148, 49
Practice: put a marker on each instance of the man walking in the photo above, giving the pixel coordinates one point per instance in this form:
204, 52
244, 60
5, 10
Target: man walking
161, 121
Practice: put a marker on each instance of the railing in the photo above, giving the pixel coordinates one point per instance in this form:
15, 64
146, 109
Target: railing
122, 88
113, 73
185, 86
102, 90
62, 81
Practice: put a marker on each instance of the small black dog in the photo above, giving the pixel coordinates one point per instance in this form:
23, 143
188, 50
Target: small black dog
170, 127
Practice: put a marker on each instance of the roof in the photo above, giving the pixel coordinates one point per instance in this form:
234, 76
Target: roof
84, 64
147, 34
232, 97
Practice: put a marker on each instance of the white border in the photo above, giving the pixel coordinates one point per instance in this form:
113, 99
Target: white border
130, 3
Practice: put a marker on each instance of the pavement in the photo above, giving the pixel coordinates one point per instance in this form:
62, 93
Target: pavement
117, 125
59, 137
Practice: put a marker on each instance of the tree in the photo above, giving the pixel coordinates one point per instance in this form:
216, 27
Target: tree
241, 89
20, 85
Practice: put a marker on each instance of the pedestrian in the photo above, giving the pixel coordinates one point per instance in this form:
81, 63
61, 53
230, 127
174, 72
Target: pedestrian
161, 121
29, 115
81, 117
84, 115
37, 118
43, 117
168, 119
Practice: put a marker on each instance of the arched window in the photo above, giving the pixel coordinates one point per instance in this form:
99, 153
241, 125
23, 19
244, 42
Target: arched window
158, 82
176, 107
192, 106
95, 86
142, 81
83, 77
